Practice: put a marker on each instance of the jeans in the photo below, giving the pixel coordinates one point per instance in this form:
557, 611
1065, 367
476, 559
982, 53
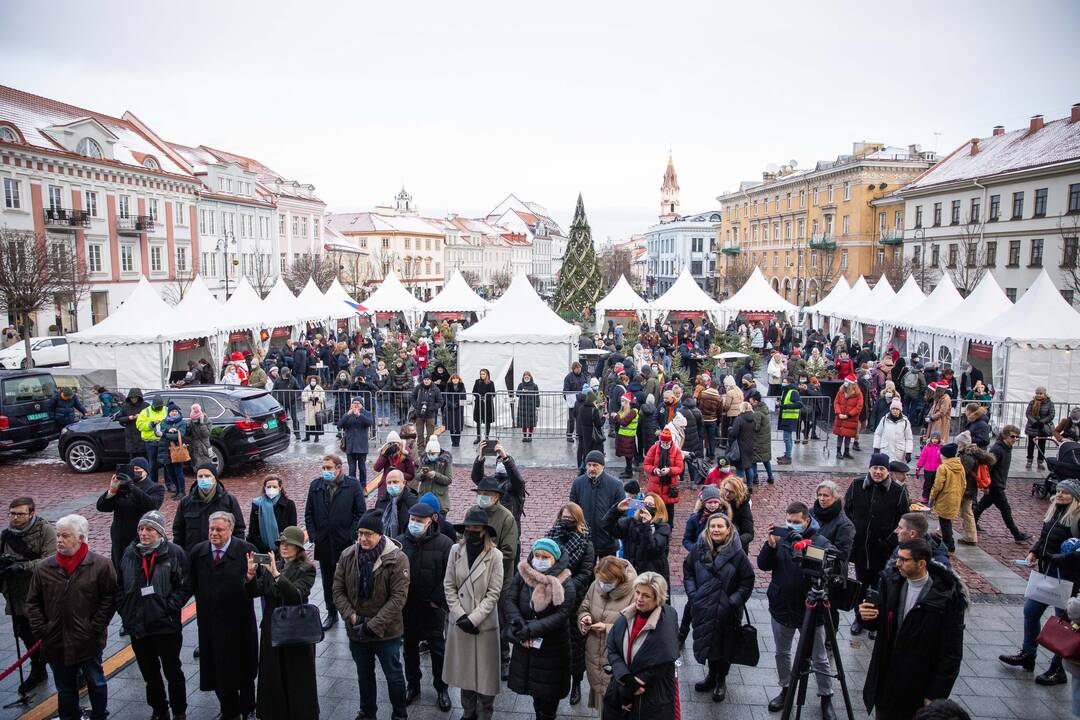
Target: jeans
1032, 443
946, 533
750, 475
151, 456
1033, 612
388, 653
436, 649
382, 407
154, 654
819, 660
358, 467
64, 677
788, 444
174, 477
327, 570
571, 426
768, 469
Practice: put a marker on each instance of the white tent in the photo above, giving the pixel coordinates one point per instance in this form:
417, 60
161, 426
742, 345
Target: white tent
312, 301
869, 305
840, 290
979, 309
858, 294
621, 297
685, 294
907, 297
457, 296
521, 333
756, 295
280, 302
339, 304
244, 309
391, 296
917, 326
938, 305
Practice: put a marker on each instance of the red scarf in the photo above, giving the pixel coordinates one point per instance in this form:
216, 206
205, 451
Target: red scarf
635, 629
69, 563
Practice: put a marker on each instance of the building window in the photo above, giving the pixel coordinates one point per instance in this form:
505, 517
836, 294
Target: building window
1011, 294
935, 255
937, 214
995, 208
182, 259
881, 257
847, 190
127, 258
438, 268
1018, 205
802, 229
847, 224
973, 214
829, 190
697, 244
12, 199
8, 135
1036, 253
152, 205
1068, 252
918, 216
1014, 253
386, 243
1040, 203
843, 259
155, 258
303, 227
955, 217
802, 198
916, 256
952, 255
295, 227
123, 206
408, 243
991, 253
898, 220
972, 258
56, 198
1074, 198
315, 230
813, 259
281, 226
88, 147
202, 222
93, 257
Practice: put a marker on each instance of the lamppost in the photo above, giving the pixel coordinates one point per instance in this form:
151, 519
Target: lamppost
223, 247
920, 236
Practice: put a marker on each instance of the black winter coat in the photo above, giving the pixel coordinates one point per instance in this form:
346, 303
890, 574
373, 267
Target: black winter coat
717, 587
836, 526
573, 382
587, 417
980, 431
528, 404
191, 525
1053, 533
355, 428
425, 607
300, 363
645, 545
788, 586
425, 401
999, 471
874, 509
743, 520
595, 501
332, 522
228, 636
483, 401
405, 500
170, 574
695, 427
543, 672
284, 512
652, 661
742, 432
133, 442
921, 657
128, 505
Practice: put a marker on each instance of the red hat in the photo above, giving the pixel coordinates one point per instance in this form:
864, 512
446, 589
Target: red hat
851, 378
665, 435
236, 356
796, 351
628, 396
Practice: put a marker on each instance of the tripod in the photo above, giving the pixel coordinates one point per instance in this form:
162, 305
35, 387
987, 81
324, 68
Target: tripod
817, 607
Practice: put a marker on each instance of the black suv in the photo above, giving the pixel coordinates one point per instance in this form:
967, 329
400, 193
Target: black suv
248, 425
27, 398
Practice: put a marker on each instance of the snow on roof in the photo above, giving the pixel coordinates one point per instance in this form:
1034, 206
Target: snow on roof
1057, 141
391, 296
756, 295
840, 290
868, 310
33, 115
940, 303
280, 302
521, 316
1041, 317
684, 294
621, 297
907, 297
457, 296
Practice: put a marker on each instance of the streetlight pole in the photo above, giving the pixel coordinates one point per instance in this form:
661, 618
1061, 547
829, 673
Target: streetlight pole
920, 233
223, 246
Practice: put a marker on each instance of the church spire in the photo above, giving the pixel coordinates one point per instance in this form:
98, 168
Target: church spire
669, 193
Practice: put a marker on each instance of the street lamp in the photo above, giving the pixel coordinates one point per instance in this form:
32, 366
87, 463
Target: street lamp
920, 236
223, 247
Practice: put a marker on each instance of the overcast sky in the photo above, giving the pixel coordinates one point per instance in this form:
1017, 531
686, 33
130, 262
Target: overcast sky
465, 102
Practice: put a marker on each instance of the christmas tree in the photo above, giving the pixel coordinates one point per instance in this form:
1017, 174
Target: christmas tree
579, 280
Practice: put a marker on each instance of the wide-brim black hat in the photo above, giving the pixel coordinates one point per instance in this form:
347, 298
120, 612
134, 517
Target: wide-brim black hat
476, 516
489, 483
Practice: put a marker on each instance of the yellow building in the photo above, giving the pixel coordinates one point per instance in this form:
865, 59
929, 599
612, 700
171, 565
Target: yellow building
806, 228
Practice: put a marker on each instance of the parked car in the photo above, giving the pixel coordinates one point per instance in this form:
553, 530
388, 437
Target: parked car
45, 351
248, 425
27, 398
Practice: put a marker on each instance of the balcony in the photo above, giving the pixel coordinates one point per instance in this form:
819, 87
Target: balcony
730, 250
134, 224
891, 236
822, 241
65, 220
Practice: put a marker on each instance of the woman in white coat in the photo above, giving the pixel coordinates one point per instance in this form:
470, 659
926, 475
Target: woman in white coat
314, 401
893, 435
473, 582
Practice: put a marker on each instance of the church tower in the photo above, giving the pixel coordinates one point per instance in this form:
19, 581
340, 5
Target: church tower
403, 203
669, 194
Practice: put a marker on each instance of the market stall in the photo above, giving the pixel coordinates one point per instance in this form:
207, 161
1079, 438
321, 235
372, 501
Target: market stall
923, 337
456, 301
861, 316
756, 300
622, 304
391, 300
281, 303
342, 308
685, 300
907, 298
818, 312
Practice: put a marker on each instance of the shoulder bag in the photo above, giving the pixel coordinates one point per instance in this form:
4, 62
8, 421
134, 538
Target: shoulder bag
294, 625
1060, 637
748, 652
179, 453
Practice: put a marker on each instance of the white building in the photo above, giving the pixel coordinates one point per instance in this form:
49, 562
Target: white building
1009, 202
96, 185
688, 241
477, 248
546, 241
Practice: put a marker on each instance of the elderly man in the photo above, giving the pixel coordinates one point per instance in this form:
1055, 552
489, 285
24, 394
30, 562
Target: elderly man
228, 636
371, 586
191, 523
24, 544
71, 598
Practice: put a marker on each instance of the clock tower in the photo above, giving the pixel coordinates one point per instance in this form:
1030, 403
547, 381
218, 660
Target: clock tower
669, 194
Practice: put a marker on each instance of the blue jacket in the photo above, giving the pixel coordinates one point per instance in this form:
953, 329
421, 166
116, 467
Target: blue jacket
64, 410
332, 522
355, 428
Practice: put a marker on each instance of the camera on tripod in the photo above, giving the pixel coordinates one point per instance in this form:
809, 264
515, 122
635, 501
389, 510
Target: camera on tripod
826, 570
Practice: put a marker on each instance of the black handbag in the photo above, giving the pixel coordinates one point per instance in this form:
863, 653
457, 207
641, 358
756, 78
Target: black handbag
598, 436
295, 625
733, 455
748, 652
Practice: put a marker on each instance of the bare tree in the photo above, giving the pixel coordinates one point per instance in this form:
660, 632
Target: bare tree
76, 282
614, 262
262, 277
895, 268
736, 270
29, 279
1069, 229
321, 268
176, 288
471, 277
823, 270
500, 280
965, 258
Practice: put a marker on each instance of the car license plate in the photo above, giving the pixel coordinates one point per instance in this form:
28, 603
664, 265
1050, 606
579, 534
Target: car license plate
37, 416
271, 424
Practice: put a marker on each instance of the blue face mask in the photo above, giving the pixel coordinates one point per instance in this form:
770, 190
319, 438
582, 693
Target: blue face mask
393, 490
432, 458
605, 586
416, 528
327, 475
541, 565
794, 527
205, 484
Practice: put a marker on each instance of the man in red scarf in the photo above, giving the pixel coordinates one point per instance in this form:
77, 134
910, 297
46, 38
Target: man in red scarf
72, 596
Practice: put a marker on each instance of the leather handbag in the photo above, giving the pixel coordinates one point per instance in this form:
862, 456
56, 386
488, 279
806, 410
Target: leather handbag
1059, 637
295, 625
748, 652
598, 436
179, 453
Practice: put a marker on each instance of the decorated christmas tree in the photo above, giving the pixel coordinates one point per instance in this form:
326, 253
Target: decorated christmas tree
579, 280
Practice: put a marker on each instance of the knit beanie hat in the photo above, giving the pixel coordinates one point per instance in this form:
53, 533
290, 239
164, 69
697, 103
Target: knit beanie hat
433, 445
141, 462
896, 404
549, 546
372, 521
431, 500
155, 520
963, 440
1070, 486
710, 492
595, 456
879, 460
949, 450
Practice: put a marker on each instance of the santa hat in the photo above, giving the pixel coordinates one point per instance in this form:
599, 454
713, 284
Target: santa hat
850, 378
628, 396
237, 357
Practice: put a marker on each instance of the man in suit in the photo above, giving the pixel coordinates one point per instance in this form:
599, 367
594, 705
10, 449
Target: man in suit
228, 635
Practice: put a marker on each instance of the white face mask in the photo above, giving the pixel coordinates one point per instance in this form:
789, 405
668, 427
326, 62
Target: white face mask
541, 565
605, 586
312, 383
272, 492
484, 500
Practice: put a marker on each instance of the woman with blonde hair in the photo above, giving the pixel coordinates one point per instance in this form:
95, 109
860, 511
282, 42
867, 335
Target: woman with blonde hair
604, 601
733, 491
645, 533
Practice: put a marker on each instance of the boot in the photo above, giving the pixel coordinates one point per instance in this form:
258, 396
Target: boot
855, 446
777, 703
1041, 465
839, 455
36, 677
856, 626
1021, 659
848, 455
575, 692
708, 683
444, 700
1027, 465
720, 691
331, 619
1053, 676
826, 708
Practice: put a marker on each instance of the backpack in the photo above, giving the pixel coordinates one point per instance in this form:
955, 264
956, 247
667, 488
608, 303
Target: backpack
982, 476
911, 380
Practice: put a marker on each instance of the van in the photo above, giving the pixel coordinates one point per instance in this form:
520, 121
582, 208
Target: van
27, 399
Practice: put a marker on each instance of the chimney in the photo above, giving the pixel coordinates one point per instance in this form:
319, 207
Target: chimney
1075, 113
974, 146
1036, 124
999, 130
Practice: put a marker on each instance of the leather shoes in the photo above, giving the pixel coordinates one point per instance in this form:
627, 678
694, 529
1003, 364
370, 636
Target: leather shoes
330, 621
720, 691
777, 703
827, 712
412, 695
444, 701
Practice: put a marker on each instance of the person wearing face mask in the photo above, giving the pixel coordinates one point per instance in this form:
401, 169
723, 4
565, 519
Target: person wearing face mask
507, 538
147, 421
171, 432
355, 425
197, 429
645, 532
335, 504
393, 455
894, 435
428, 551
539, 605
602, 605
473, 584
207, 496
663, 468
313, 398
395, 504
128, 499
154, 581
270, 512
787, 601
572, 534
436, 472
595, 492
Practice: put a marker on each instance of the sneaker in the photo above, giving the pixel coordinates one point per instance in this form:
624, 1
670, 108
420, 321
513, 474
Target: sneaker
1020, 659
1053, 676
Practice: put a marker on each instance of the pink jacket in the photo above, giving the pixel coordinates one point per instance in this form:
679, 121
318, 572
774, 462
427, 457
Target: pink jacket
930, 457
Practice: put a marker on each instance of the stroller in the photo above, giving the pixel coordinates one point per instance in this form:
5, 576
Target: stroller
1066, 466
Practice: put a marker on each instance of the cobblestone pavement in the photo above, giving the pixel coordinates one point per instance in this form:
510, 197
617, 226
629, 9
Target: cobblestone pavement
994, 624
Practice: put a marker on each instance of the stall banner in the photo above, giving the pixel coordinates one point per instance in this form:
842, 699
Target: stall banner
342, 324
869, 331
900, 334
980, 350
280, 332
684, 314
385, 315
756, 316
448, 315
240, 336
626, 314
183, 345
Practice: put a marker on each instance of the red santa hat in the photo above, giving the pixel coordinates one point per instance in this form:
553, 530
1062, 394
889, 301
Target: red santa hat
850, 378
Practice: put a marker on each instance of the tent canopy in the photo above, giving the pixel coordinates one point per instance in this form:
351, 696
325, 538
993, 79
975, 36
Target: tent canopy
457, 296
868, 311
756, 295
859, 292
621, 297
985, 303
143, 317
245, 309
1040, 317
685, 294
339, 304
521, 316
938, 304
391, 296
312, 300
199, 311
907, 297
840, 290
280, 302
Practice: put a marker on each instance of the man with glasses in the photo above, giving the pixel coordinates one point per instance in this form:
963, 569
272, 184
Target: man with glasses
999, 475
25, 542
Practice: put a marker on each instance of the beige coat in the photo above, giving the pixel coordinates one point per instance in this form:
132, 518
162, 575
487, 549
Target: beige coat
473, 661
603, 608
314, 401
940, 415
732, 400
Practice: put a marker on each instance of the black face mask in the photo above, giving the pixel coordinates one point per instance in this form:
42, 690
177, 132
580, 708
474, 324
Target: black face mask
474, 537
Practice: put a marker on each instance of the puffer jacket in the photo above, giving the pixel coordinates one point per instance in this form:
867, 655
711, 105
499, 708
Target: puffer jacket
742, 432
710, 404
379, 615
971, 457
435, 478
787, 585
836, 526
893, 437
1047, 548
949, 485
158, 613
1040, 418
540, 672
604, 608
976, 423
425, 607
732, 401
695, 427
652, 660
762, 433
667, 486
132, 406
849, 405
717, 586
645, 545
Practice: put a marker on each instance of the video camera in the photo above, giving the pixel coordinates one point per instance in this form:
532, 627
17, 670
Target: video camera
826, 569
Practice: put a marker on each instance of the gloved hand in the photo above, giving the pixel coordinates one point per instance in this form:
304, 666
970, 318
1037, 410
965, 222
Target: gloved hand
466, 625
